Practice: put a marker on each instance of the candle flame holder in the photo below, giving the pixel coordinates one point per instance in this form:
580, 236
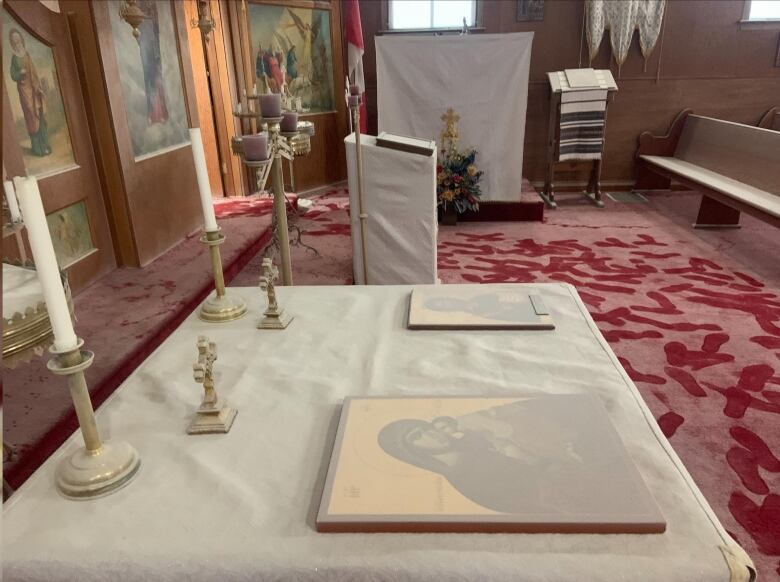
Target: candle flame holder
99, 468
220, 307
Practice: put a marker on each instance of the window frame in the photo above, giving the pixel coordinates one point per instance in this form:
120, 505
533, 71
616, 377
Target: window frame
387, 15
746, 23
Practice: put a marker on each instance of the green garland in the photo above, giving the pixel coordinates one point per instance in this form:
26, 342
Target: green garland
457, 180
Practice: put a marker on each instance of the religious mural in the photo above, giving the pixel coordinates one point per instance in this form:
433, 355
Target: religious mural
151, 78
293, 53
70, 234
482, 460
30, 77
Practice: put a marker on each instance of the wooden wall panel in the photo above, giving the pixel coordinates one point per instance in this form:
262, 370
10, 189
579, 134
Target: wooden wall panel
70, 185
707, 62
200, 77
154, 201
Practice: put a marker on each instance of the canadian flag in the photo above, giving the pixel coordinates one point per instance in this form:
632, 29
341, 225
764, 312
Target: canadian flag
354, 37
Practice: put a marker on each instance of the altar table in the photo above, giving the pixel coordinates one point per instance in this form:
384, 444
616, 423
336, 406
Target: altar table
241, 506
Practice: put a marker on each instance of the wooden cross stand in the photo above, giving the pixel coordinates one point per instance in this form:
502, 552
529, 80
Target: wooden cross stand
213, 416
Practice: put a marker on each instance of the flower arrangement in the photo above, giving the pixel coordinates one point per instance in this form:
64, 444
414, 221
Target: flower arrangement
457, 180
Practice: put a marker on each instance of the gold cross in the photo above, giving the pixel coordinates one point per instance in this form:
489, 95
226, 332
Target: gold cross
203, 369
450, 118
449, 137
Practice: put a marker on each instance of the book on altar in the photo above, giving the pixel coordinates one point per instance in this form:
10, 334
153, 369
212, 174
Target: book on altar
477, 307
533, 463
581, 78
413, 145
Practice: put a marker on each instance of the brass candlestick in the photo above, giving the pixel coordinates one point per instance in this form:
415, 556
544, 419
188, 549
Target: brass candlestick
221, 306
279, 146
99, 468
355, 109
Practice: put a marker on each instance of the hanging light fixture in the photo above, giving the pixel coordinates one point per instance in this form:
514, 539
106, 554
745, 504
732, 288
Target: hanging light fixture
133, 14
204, 22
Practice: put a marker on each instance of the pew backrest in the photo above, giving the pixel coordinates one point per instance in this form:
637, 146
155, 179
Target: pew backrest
748, 154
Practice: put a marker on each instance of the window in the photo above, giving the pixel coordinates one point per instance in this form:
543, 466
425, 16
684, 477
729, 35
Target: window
431, 14
762, 10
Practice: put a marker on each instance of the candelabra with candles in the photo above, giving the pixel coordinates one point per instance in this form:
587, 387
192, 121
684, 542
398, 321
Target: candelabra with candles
222, 306
265, 152
100, 467
354, 107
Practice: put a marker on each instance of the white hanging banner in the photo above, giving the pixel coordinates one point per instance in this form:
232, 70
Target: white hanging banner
483, 77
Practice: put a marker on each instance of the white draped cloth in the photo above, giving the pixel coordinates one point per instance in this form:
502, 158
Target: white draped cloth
240, 506
483, 77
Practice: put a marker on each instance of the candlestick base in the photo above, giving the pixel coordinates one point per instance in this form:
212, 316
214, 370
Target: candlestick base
104, 467
222, 309
216, 419
89, 474
275, 320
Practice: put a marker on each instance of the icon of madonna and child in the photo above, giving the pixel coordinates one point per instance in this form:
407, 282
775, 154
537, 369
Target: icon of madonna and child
541, 456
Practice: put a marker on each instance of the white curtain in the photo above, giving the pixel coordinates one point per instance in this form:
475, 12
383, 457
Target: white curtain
622, 18
483, 77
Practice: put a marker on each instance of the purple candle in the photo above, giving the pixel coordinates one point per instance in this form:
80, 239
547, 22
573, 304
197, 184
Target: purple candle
289, 122
255, 147
354, 90
354, 100
271, 105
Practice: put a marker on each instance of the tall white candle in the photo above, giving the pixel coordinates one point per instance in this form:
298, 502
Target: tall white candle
46, 262
10, 197
209, 220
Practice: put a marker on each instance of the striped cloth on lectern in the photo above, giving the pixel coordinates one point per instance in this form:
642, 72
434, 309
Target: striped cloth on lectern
582, 124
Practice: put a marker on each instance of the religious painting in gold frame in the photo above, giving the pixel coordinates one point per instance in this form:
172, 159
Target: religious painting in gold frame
151, 79
539, 463
292, 52
37, 108
70, 234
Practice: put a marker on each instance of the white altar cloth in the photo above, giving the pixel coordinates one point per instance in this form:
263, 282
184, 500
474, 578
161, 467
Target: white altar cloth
483, 77
21, 289
399, 196
241, 506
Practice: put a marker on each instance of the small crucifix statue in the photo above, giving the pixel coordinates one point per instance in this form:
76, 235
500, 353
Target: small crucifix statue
213, 416
275, 317
449, 137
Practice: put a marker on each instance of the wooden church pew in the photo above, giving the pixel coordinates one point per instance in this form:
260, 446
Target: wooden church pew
736, 167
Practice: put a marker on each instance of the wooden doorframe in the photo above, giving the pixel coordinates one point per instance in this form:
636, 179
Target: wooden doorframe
81, 182
204, 98
219, 66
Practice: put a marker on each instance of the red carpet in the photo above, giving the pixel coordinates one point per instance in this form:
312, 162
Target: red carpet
693, 316
122, 317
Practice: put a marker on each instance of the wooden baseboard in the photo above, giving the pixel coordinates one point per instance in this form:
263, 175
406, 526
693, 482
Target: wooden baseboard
497, 211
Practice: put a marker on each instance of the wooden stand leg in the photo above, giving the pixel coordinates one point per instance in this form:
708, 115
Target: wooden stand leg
548, 194
594, 185
714, 214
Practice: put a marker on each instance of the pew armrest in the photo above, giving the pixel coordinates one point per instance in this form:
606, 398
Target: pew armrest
653, 145
768, 119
